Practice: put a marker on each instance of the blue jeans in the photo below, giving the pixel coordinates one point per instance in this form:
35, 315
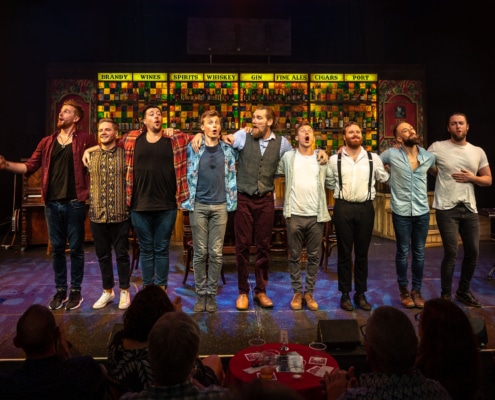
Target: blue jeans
208, 224
106, 236
299, 230
65, 222
410, 233
452, 223
154, 230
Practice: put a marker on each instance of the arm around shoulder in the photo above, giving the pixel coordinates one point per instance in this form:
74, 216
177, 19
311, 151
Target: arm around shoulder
87, 154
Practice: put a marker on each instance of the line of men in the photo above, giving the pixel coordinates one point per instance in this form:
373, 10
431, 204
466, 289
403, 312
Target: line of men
141, 178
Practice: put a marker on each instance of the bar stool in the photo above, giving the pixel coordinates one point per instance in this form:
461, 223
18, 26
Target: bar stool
279, 233
134, 245
328, 242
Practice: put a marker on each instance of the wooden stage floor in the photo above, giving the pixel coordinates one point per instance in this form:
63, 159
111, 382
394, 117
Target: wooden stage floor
27, 278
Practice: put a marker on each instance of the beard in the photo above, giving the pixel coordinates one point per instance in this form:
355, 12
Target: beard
458, 138
411, 142
354, 144
61, 124
259, 132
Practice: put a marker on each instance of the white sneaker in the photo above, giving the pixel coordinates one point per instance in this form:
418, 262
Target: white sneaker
104, 299
125, 299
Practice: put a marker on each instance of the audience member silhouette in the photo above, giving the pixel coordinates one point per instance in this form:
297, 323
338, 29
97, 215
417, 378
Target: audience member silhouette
173, 345
448, 350
391, 346
49, 371
128, 354
266, 390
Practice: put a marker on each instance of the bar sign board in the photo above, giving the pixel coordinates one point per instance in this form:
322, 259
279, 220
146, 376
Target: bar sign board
220, 77
256, 77
115, 76
186, 76
291, 77
149, 76
361, 77
327, 77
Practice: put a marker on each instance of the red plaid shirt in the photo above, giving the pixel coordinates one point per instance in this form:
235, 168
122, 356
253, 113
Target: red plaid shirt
179, 141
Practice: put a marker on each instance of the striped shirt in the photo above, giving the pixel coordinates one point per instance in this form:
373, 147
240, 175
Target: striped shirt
107, 186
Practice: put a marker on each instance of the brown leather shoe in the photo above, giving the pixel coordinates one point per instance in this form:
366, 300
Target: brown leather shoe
345, 302
310, 301
242, 302
419, 302
296, 303
361, 302
405, 298
264, 300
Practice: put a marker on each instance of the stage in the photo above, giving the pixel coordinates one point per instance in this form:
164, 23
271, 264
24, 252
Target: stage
27, 278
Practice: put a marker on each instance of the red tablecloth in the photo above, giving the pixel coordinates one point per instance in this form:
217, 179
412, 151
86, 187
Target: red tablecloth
308, 385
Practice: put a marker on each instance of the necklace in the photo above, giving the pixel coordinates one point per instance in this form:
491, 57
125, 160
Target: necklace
67, 138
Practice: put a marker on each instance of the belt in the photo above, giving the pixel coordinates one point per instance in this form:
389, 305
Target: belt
65, 201
259, 195
353, 202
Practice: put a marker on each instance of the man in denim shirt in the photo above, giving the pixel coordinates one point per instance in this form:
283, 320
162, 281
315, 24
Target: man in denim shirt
409, 165
211, 178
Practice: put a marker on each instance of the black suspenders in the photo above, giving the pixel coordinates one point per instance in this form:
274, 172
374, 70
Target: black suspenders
339, 170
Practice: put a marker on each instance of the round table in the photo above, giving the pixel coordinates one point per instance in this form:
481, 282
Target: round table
308, 385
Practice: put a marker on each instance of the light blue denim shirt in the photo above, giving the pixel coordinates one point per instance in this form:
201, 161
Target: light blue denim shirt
409, 189
230, 175
240, 141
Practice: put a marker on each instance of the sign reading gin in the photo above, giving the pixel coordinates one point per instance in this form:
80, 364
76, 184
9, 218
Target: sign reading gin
238, 36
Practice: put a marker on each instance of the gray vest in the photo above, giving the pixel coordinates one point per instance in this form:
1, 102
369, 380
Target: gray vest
256, 172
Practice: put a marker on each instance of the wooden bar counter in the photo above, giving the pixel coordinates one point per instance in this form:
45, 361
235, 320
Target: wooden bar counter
383, 217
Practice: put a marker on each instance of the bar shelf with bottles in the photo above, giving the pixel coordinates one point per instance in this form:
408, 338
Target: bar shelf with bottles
338, 98
191, 94
325, 100
123, 96
286, 93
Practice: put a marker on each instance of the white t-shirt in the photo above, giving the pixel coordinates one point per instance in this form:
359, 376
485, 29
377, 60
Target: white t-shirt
450, 158
304, 193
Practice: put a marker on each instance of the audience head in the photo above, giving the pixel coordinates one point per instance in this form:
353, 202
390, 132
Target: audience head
448, 349
391, 341
146, 308
173, 345
37, 332
267, 390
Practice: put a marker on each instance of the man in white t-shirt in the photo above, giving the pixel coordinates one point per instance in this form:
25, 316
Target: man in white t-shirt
460, 166
305, 212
